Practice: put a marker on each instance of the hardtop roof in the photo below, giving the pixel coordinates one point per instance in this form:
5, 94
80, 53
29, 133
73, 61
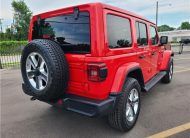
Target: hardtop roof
104, 6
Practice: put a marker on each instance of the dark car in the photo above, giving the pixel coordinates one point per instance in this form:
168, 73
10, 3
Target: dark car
185, 41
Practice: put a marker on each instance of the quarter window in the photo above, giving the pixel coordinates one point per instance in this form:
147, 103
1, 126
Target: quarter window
142, 37
153, 35
119, 32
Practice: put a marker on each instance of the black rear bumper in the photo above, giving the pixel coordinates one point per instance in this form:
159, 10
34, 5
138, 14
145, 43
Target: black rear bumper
87, 107
81, 105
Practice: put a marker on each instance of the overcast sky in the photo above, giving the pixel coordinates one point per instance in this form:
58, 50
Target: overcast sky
173, 14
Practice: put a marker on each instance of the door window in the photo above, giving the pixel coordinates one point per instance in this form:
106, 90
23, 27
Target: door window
119, 32
153, 35
141, 32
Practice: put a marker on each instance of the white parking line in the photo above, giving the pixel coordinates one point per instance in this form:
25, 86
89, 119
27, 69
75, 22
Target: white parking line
181, 59
180, 67
182, 71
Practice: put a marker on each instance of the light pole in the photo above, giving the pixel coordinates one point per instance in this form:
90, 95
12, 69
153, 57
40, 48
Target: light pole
156, 13
1, 34
157, 6
1, 24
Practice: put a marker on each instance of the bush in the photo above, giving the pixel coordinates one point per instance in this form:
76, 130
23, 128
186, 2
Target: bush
11, 47
174, 41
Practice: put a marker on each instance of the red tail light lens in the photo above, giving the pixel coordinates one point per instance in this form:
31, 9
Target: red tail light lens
97, 71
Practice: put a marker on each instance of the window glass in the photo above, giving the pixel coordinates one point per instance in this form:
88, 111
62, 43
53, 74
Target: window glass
119, 32
137, 33
72, 33
142, 37
153, 35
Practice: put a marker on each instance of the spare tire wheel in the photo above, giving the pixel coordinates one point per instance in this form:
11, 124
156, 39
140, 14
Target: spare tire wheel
44, 70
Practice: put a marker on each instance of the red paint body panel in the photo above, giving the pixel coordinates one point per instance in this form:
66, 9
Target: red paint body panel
121, 74
165, 60
118, 61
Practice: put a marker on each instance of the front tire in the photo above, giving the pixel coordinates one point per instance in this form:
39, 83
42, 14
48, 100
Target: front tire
127, 107
169, 75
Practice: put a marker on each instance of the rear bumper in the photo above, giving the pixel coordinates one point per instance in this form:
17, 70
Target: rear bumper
84, 106
87, 107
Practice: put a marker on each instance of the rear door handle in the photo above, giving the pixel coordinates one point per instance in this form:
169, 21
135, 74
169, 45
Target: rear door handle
153, 53
142, 56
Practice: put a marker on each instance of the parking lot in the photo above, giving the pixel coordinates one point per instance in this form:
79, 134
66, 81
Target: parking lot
163, 108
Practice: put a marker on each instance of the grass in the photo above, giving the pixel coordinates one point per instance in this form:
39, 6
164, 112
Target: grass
10, 65
11, 47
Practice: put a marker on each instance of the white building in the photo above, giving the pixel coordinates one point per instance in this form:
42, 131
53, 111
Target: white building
176, 35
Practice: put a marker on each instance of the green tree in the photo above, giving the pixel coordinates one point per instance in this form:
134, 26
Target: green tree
1, 36
8, 34
22, 15
185, 25
163, 28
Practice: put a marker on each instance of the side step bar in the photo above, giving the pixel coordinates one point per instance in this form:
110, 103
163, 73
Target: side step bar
154, 81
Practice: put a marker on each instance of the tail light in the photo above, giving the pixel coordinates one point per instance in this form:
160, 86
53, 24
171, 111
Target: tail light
97, 71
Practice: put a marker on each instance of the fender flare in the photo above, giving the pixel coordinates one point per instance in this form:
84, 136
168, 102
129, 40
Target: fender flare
121, 76
166, 59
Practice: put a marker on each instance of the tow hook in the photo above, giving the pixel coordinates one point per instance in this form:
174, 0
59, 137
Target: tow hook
32, 98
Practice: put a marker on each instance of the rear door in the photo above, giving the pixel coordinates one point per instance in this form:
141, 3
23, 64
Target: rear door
72, 33
77, 73
143, 49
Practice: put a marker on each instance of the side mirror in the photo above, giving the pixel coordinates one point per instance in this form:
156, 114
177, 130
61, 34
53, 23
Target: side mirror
163, 40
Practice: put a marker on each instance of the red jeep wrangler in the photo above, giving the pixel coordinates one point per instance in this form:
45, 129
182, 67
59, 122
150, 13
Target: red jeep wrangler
94, 59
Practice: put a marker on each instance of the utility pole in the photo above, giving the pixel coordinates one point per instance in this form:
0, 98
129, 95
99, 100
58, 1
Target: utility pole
1, 67
1, 24
1, 38
157, 6
156, 13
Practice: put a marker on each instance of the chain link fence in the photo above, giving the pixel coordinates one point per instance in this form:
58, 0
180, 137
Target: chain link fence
10, 53
180, 48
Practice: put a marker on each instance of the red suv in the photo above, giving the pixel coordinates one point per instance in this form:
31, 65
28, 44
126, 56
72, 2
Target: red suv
94, 59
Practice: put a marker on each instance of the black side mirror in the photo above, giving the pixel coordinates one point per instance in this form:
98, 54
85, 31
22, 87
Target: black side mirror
163, 40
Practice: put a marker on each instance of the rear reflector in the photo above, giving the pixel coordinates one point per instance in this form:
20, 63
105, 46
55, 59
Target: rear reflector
97, 71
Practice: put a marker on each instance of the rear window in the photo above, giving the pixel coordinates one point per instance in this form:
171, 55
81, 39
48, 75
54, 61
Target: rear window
73, 34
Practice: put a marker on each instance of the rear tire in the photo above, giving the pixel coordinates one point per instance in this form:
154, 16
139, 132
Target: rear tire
126, 110
44, 70
169, 73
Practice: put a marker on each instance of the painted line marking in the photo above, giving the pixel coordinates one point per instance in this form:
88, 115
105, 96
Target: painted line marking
182, 71
180, 67
171, 131
181, 58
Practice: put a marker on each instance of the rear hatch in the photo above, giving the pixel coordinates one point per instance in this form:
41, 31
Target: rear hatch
72, 33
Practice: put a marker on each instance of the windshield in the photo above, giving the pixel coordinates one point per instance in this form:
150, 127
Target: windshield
73, 34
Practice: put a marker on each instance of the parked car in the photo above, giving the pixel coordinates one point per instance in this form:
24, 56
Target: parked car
185, 41
94, 59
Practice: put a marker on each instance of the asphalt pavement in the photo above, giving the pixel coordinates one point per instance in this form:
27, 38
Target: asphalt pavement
164, 107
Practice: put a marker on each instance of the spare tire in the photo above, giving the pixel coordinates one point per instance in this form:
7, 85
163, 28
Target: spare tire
44, 70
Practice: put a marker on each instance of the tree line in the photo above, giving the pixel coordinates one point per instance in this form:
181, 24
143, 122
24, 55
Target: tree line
183, 26
21, 20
